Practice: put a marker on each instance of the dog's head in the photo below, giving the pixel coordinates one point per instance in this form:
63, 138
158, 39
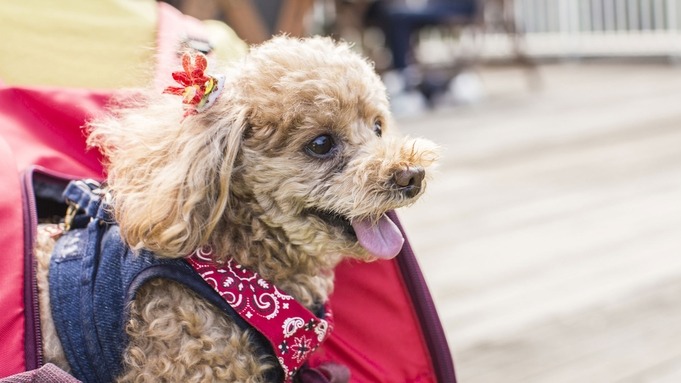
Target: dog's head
300, 144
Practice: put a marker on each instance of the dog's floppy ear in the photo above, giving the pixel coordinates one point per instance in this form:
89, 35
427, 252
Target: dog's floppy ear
170, 175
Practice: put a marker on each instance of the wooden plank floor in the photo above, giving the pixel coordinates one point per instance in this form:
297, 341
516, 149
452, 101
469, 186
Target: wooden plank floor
551, 234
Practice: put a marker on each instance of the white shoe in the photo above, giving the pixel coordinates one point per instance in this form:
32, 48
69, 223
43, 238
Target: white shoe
408, 103
394, 82
466, 88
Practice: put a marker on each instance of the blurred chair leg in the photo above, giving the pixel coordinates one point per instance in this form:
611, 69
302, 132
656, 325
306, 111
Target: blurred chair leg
201, 9
510, 26
292, 17
244, 18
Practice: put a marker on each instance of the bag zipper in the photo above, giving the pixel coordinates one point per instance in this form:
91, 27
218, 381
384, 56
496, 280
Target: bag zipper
32, 334
431, 326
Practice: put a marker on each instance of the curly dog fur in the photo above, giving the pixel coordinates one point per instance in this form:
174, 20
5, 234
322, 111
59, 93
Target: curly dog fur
245, 177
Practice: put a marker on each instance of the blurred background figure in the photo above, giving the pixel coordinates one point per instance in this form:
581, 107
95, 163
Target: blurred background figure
399, 20
254, 20
420, 75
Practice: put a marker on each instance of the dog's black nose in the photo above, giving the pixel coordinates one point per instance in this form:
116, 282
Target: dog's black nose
409, 180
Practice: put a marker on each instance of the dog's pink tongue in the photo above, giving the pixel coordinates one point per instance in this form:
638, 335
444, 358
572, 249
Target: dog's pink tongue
382, 240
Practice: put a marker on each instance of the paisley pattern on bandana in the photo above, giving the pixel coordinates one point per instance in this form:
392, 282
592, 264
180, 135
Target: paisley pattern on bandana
293, 331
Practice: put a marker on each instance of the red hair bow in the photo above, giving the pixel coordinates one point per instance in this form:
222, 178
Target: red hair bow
196, 85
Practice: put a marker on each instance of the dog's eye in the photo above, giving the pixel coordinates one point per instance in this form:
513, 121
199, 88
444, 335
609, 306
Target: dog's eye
321, 145
378, 128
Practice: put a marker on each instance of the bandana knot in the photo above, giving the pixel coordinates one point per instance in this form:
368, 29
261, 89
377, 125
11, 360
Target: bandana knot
293, 331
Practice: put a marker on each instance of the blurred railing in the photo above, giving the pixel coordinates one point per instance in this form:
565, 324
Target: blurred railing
595, 28
564, 29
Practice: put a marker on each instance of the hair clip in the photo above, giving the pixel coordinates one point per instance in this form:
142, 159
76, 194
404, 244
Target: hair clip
199, 90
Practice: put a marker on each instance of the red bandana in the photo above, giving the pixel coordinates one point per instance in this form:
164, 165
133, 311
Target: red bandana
292, 329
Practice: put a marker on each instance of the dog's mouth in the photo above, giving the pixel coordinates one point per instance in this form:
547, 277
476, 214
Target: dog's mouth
380, 237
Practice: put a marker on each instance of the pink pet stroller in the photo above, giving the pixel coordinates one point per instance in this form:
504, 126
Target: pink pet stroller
386, 326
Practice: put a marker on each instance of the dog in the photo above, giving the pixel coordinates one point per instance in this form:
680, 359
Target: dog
291, 168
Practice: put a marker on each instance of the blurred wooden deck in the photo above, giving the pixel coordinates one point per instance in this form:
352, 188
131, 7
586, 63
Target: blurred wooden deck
551, 235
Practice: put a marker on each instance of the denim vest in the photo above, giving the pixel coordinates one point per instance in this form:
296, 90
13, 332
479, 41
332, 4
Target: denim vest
93, 278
